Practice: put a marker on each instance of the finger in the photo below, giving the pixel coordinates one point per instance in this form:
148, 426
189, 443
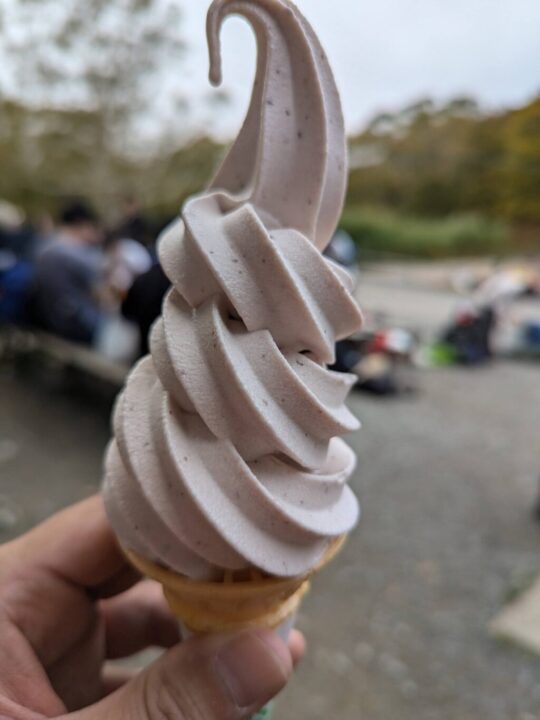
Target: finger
76, 544
297, 646
115, 677
207, 678
80, 660
138, 619
125, 578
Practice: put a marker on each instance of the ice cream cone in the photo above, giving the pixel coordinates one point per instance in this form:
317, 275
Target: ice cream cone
236, 602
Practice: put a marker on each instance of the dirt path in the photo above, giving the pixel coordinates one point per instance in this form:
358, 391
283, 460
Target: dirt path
397, 625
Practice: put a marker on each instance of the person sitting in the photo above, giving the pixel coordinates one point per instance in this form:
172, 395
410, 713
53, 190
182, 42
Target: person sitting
142, 304
17, 240
64, 298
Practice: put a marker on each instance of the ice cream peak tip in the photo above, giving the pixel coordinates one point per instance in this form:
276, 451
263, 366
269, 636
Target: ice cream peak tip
289, 159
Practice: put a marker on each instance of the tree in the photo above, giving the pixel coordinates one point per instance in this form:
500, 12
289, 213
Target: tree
437, 160
103, 56
521, 169
47, 156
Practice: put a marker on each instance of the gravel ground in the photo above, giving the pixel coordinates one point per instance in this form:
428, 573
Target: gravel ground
397, 625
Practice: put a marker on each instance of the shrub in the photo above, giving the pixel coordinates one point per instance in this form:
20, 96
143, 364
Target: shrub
384, 231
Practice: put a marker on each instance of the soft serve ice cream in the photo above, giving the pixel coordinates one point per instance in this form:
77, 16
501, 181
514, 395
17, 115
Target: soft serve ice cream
225, 453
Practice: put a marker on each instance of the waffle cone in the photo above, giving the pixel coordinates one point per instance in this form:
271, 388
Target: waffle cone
231, 604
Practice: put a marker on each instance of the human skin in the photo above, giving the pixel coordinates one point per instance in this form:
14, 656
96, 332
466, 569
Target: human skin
69, 602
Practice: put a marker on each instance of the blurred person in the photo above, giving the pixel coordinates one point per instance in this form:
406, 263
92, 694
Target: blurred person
11, 224
342, 249
68, 277
17, 236
118, 337
142, 304
69, 601
126, 259
17, 244
45, 230
133, 224
143, 301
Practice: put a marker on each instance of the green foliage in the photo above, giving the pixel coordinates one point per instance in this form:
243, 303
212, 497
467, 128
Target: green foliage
47, 156
381, 231
164, 183
432, 161
40, 162
521, 167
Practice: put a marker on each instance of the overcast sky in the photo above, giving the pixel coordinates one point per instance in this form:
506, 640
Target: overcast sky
386, 53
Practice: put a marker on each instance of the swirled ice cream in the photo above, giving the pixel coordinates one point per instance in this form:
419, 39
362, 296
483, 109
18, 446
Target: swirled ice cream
225, 452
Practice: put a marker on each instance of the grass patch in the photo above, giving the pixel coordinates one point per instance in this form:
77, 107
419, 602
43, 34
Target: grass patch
384, 231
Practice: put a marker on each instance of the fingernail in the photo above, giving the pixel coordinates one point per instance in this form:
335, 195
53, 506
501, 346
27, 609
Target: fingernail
254, 666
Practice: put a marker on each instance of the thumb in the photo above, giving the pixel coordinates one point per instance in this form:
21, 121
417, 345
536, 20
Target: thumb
207, 678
